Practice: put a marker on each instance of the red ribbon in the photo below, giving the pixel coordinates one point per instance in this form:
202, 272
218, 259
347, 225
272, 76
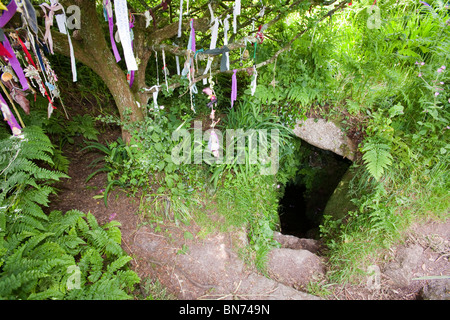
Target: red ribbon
30, 60
4, 52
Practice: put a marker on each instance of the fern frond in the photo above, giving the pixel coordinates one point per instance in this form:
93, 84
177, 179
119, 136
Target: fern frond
127, 278
117, 264
377, 158
61, 223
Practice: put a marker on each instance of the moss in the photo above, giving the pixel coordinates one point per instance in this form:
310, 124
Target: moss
339, 203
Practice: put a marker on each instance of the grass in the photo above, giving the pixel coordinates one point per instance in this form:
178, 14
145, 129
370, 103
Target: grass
154, 290
361, 241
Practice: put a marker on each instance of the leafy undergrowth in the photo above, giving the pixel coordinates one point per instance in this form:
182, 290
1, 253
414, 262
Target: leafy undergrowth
56, 256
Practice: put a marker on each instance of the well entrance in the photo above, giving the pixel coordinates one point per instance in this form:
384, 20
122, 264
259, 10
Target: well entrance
306, 195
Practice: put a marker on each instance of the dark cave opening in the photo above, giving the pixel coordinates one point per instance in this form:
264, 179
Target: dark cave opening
305, 197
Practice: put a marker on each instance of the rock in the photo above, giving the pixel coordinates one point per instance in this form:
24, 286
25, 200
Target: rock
209, 269
401, 271
339, 204
292, 242
295, 268
257, 287
436, 290
325, 135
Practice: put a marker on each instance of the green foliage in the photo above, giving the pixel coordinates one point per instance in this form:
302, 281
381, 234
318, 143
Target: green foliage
392, 85
61, 130
56, 256
73, 258
252, 202
116, 157
24, 187
146, 163
377, 157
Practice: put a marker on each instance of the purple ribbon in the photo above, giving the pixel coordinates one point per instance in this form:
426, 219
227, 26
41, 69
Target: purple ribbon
111, 32
4, 19
233, 88
7, 15
113, 42
9, 117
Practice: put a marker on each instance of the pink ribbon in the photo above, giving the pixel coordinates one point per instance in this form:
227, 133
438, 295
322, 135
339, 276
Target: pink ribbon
233, 87
191, 44
49, 22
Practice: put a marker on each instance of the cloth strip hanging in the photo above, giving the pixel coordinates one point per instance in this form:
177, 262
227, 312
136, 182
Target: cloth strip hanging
191, 44
224, 64
213, 144
30, 15
48, 35
212, 14
236, 12
49, 22
254, 79
30, 61
165, 69
9, 117
123, 25
233, 88
226, 27
110, 17
177, 60
132, 72
4, 19
214, 34
180, 21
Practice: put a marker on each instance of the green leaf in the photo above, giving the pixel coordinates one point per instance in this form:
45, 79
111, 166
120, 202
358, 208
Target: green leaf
158, 147
377, 157
155, 137
395, 110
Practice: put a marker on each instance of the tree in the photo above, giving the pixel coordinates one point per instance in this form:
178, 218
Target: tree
92, 45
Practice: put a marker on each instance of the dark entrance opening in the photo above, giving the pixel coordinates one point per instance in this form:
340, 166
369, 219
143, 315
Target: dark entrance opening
305, 196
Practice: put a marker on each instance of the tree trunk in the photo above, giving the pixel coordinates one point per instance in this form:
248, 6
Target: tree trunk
92, 49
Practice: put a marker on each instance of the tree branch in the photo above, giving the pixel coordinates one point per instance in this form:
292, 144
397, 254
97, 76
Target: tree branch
176, 50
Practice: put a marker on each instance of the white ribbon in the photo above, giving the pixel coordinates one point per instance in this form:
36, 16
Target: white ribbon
49, 21
165, 71
56, 6
212, 13
226, 27
253, 84
177, 60
214, 34
155, 99
236, 12
261, 13
123, 26
180, 19
148, 18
